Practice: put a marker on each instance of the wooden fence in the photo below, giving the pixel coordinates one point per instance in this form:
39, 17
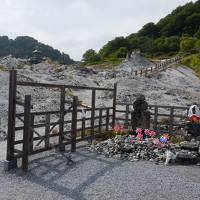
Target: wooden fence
166, 118
31, 138
73, 129
158, 67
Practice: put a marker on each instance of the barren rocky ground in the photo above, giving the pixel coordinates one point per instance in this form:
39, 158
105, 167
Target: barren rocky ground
177, 85
94, 176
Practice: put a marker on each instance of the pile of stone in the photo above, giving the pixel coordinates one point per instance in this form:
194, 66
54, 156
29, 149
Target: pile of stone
129, 148
135, 61
12, 62
189, 150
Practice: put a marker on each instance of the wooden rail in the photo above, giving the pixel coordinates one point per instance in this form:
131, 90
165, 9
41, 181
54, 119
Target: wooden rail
158, 67
124, 115
32, 138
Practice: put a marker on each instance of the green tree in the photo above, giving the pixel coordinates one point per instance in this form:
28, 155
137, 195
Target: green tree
134, 42
187, 45
149, 30
121, 52
197, 46
197, 34
23, 47
112, 46
192, 24
91, 56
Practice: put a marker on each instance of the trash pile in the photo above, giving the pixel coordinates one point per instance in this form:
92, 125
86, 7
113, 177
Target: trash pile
153, 148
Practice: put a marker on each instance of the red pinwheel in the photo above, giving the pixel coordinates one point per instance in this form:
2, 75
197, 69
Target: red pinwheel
152, 133
195, 118
139, 130
147, 132
139, 136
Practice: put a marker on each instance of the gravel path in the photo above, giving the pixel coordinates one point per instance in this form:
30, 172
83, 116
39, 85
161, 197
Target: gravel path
96, 177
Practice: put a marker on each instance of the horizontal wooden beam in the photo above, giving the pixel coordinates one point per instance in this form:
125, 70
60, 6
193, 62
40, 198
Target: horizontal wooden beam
19, 83
57, 111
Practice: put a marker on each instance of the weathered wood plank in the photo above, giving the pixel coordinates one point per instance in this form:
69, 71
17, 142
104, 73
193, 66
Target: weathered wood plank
114, 104
93, 113
11, 115
100, 121
62, 115
60, 86
74, 124
107, 119
26, 134
155, 118
47, 130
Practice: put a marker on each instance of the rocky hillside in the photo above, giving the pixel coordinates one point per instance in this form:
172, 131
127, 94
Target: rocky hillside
24, 46
175, 86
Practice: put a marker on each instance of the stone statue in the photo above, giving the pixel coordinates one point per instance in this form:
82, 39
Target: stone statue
140, 117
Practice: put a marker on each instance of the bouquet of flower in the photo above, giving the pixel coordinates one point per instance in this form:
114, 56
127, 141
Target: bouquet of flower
141, 134
119, 129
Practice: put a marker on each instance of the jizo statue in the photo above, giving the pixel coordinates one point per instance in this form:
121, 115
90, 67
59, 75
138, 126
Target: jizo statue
140, 117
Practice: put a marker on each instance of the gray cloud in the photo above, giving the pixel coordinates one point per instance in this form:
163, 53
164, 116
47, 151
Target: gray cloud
73, 26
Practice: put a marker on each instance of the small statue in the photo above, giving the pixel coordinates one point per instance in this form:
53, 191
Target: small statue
140, 117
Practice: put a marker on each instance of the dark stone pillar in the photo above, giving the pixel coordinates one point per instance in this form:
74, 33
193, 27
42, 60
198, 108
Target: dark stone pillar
140, 117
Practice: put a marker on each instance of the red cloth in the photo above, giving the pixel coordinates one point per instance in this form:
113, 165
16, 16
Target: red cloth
195, 118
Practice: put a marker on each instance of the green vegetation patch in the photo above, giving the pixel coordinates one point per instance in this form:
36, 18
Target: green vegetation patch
193, 61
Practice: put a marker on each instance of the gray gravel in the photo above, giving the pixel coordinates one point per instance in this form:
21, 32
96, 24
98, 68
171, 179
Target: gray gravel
96, 177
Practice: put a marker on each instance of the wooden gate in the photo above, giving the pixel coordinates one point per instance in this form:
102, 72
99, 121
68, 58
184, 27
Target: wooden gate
33, 141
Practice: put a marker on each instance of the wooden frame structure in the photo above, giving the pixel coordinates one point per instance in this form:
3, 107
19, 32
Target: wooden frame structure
106, 119
170, 114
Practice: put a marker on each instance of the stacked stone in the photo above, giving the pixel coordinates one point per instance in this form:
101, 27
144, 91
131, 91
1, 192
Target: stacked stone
129, 148
189, 150
126, 147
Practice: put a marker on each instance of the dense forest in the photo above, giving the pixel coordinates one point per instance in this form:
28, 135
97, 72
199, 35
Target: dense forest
23, 47
178, 32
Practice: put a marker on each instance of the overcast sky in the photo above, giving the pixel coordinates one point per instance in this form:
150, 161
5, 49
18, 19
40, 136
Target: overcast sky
73, 26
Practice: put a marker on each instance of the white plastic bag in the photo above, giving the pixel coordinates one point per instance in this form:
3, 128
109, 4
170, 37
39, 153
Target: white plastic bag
83, 113
194, 110
169, 156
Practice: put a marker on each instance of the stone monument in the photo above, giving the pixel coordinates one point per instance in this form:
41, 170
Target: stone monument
140, 117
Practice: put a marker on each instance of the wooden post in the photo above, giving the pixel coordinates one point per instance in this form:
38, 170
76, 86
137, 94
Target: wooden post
31, 134
47, 131
26, 134
146, 72
114, 105
83, 128
136, 73
93, 113
11, 116
127, 117
141, 72
107, 119
155, 118
74, 123
62, 115
171, 119
100, 120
